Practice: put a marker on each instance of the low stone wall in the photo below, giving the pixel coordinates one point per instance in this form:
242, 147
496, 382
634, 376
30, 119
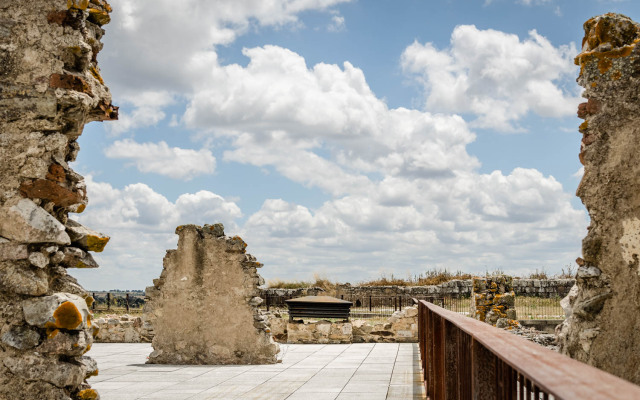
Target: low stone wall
401, 327
322, 332
460, 288
122, 329
290, 293
542, 287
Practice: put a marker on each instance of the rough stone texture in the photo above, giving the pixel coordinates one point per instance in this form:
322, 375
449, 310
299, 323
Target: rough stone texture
204, 306
50, 87
493, 301
122, 329
323, 332
602, 326
459, 288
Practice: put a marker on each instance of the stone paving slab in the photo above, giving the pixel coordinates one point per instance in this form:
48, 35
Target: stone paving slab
371, 371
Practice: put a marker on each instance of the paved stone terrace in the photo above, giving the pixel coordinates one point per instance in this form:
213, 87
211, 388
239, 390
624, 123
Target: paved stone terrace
368, 371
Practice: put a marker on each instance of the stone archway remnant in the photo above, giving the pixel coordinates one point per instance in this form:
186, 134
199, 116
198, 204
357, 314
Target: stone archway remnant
602, 327
50, 87
204, 307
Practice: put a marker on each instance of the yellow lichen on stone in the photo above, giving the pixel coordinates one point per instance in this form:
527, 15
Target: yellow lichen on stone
89, 300
609, 29
96, 74
103, 3
67, 316
77, 4
87, 394
99, 17
96, 243
606, 38
583, 127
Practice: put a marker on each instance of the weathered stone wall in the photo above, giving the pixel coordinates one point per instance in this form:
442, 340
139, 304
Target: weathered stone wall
542, 287
461, 288
321, 332
493, 301
603, 312
50, 87
401, 327
122, 329
204, 306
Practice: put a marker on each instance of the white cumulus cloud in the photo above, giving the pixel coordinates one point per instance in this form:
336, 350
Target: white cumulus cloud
337, 24
156, 44
146, 110
282, 113
160, 158
495, 76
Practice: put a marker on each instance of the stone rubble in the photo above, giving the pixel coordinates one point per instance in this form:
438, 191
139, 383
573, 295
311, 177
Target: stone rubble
547, 340
51, 88
204, 307
602, 327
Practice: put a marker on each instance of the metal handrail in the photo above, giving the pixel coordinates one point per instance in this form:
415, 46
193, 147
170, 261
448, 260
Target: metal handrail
463, 358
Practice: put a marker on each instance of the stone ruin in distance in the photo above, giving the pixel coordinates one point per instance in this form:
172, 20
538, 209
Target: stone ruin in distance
50, 87
204, 306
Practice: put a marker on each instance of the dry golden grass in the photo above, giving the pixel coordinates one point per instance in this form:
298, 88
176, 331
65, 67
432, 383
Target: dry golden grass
318, 281
429, 277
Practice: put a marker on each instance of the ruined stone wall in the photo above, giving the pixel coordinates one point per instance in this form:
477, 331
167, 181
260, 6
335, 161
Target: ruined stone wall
603, 312
460, 288
204, 306
122, 329
493, 301
50, 87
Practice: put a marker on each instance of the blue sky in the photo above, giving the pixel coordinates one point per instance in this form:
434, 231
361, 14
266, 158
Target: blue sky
341, 138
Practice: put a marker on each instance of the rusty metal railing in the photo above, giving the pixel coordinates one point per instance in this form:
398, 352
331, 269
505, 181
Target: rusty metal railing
463, 358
